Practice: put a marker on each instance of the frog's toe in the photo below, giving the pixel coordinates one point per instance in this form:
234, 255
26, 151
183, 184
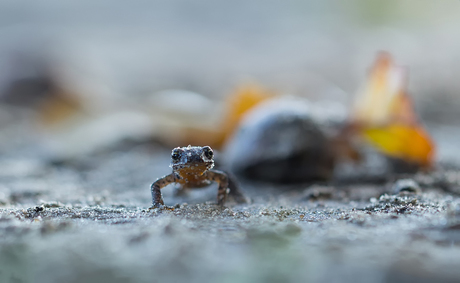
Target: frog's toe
160, 206
221, 202
156, 205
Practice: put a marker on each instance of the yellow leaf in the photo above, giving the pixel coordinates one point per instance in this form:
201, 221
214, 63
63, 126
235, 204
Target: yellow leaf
407, 142
384, 114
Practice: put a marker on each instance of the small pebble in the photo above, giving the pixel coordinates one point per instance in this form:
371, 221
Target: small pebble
406, 186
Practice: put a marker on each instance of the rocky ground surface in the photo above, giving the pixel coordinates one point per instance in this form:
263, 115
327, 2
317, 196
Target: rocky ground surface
88, 221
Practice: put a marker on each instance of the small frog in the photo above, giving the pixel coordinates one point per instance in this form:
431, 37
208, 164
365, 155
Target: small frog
192, 168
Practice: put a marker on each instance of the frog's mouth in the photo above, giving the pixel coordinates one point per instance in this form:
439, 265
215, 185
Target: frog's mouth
192, 169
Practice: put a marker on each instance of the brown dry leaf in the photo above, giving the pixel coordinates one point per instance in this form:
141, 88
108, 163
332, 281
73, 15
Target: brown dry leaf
384, 114
58, 107
237, 104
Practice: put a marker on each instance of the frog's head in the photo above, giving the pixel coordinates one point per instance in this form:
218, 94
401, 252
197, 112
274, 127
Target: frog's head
191, 160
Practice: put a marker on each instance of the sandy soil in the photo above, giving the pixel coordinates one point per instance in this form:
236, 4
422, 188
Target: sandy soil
81, 223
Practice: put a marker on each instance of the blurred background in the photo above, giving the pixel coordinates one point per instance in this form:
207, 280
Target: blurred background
113, 55
209, 46
94, 94
82, 78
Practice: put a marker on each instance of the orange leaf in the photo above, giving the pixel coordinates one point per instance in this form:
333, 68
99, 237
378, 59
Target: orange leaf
384, 114
236, 105
382, 97
242, 100
59, 106
410, 143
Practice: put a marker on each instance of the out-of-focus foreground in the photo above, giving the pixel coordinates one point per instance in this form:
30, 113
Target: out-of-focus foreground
339, 119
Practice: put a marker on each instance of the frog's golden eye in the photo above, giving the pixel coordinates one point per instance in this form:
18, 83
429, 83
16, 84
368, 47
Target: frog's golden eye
175, 156
208, 153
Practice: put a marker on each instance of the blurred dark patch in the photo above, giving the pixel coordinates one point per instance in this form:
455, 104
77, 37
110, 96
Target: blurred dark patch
29, 92
400, 166
302, 167
415, 271
316, 193
442, 107
21, 196
406, 186
281, 144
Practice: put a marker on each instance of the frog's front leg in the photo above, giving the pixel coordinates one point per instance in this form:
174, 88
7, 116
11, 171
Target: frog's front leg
157, 200
222, 179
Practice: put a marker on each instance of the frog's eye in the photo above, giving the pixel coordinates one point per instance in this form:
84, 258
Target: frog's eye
175, 155
208, 153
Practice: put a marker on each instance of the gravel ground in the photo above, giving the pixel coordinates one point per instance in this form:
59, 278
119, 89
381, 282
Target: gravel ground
81, 223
